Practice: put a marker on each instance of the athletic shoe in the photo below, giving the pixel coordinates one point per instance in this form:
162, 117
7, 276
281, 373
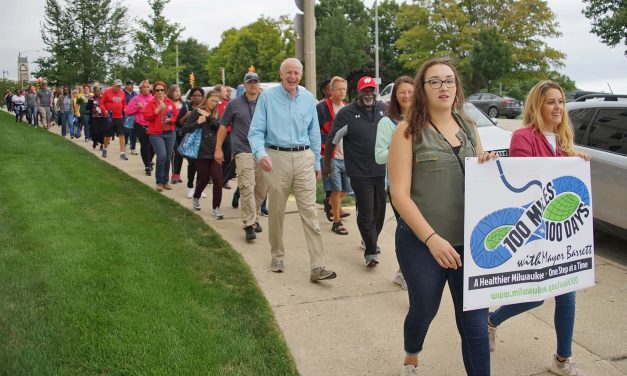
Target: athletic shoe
277, 265
250, 233
196, 203
174, 179
258, 227
565, 368
218, 213
226, 185
264, 211
133, 152
123, 157
190, 192
203, 194
409, 370
320, 274
147, 171
400, 280
104, 153
372, 261
492, 337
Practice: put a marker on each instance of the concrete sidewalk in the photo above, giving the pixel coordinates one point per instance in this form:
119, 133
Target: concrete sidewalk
353, 325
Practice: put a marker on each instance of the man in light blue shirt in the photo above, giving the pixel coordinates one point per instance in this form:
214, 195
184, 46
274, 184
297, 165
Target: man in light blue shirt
284, 136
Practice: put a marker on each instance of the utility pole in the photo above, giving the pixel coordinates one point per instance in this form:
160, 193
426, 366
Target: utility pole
177, 63
305, 25
377, 79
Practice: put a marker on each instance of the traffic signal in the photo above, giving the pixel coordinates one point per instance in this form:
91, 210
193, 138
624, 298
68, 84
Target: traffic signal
192, 79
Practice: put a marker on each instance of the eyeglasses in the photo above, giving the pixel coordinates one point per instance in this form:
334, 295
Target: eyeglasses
156, 90
436, 84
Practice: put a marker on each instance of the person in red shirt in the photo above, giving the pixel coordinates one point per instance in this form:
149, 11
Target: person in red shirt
228, 168
113, 104
161, 113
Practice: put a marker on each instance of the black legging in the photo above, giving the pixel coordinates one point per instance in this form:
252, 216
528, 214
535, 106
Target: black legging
191, 172
177, 162
146, 148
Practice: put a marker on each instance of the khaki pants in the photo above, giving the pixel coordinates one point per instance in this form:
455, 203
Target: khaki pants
252, 187
45, 116
293, 172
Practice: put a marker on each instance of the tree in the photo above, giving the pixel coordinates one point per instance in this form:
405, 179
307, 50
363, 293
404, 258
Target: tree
449, 27
343, 43
155, 43
489, 59
193, 57
264, 44
80, 51
609, 20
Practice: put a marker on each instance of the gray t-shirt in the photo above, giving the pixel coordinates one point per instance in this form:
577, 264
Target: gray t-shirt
44, 97
239, 113
31, 99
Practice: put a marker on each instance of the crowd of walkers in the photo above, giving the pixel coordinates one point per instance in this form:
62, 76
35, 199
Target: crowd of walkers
410, 152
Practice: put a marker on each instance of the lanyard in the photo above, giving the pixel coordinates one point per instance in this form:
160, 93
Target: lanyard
461, 165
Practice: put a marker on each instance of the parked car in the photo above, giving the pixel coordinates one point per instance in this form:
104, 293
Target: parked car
207, 89
493, 138
576, 94
600, 128
385, 94
496, 105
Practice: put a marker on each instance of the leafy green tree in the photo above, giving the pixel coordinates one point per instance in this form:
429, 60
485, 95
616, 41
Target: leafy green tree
263, 44
155, 40
193, 57
79, 50
609, 20
343, 43
489, 59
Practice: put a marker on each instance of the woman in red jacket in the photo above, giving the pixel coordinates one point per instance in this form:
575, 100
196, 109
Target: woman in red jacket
161, 114
546, 132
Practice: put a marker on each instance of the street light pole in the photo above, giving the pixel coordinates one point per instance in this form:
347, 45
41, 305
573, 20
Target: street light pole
177, 62
310, 45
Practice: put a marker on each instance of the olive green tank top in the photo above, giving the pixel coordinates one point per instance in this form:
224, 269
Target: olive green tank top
437, 184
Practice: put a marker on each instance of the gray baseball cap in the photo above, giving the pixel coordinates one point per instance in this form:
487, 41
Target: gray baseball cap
251, 76
117, 82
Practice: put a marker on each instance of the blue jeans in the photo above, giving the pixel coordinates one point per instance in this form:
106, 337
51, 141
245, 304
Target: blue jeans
86, 126
130, 137
425, 284
33, 116
563, 319
67, 123
163, 144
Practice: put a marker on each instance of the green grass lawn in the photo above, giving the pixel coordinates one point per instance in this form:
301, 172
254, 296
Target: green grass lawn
101, 275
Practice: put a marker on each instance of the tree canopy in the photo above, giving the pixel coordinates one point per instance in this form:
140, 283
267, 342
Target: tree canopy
609, 20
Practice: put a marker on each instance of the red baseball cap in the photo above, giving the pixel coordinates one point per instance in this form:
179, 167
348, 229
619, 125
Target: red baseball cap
366, 81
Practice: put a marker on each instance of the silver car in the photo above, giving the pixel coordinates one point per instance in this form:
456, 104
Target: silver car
493, 138
601, 131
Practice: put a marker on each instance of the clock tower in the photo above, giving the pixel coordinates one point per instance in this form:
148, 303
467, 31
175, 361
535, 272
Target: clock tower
23, 72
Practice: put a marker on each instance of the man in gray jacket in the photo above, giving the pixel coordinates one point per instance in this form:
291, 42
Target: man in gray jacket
44, 101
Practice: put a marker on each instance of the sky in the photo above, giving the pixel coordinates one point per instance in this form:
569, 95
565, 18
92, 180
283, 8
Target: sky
589, 62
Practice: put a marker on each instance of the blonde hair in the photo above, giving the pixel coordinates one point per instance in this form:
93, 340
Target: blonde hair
335, 80
532, 115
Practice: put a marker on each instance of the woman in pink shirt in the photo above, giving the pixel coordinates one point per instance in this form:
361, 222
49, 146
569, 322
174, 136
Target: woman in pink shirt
135, 107
546, 132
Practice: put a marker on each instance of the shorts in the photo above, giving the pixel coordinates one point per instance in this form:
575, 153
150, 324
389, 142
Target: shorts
115, 126
338, 180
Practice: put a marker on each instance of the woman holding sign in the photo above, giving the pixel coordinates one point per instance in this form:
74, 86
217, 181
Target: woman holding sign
546, 133
426, 168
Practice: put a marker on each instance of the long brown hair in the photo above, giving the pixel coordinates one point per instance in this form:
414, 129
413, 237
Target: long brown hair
394, 110
205, 105
419, 115
532, 115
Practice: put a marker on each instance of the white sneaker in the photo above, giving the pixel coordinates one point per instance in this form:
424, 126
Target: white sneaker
409, 370
565, 368
218, 213
190, 192
203, 195
400, 280
196, 203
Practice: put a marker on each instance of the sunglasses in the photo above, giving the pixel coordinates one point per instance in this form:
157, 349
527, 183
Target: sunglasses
159, 90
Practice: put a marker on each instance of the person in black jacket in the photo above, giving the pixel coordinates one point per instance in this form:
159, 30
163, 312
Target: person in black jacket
206, 117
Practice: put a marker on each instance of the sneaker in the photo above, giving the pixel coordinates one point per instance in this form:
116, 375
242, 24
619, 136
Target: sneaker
372, 261
190, 192
277, 265
250, 233
492, 337
123, 157
218, 213
159, 188
203, 195
258, 227
174, 179
167, 186
264, 211
409, 370
147, 171
226, 185
565, 368
196, 203
133, 152
319, 274
400, 280
104, 153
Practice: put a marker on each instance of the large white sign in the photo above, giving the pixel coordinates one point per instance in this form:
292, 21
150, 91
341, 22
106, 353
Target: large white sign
527, 230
